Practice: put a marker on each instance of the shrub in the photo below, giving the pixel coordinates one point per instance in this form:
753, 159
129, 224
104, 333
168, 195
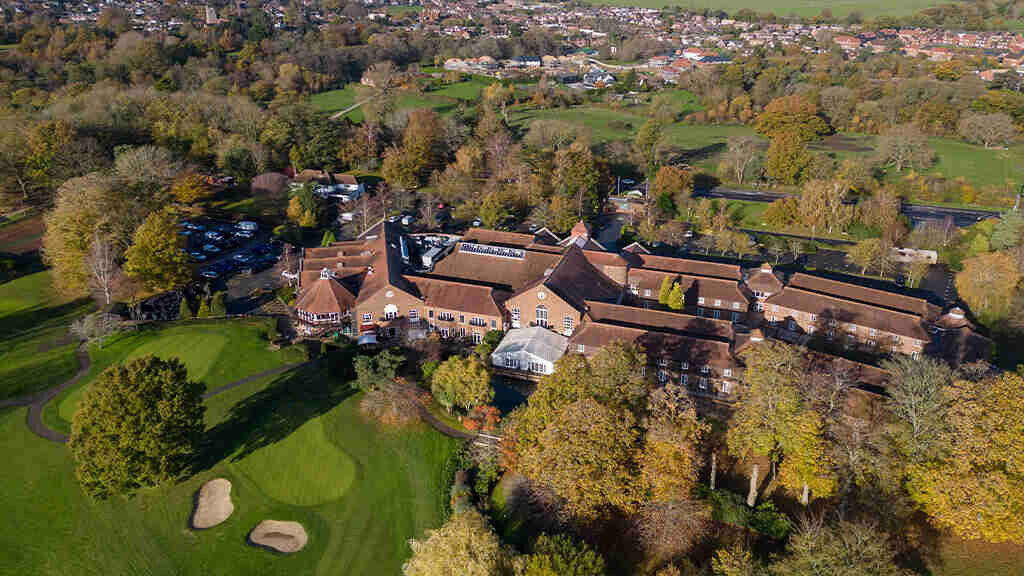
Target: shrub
767, 520
218, 307
184, 309
204, 308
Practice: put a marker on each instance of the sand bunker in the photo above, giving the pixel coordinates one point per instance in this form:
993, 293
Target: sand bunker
213, 504
283, 537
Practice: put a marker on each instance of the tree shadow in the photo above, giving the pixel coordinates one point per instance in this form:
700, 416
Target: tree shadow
273, 413
39, 317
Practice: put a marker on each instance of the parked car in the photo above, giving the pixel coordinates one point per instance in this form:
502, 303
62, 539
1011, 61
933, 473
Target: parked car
243, 234
213, 235
242, 257
262, 249
247, 226
393, 219
196, 256
210, 249
209, 273
192, 226
477, 222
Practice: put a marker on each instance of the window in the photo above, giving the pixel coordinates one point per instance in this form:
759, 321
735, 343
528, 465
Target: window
872, 332
580, 348
541, 315
662, 376
390, 314
511, 362
759, 307
634, 288
718, 302
462, 332
647, 292
444, 332
494, 323
537, 367
851, 328
832, 322
430, 313
735, 316
684, 365
643, 370
514, 313
792, 325
477, 338
726, 387
773, 320
705, 369
700, 299
663, 362
414, 315
462, 318
871, 343
727, 372
683, 378
703, 383
813, 317
367, 318
811, 329
700, 312
567, 325
446, 316
475, 321
735, 305
716, 313
915, 355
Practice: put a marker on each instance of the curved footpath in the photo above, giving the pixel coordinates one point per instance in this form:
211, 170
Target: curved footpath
37, 401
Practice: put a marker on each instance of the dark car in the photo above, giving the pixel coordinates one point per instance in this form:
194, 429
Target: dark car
243, 257
210, 273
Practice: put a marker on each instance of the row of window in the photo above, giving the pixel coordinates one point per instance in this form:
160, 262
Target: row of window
513, 363
634, 289
832, 323
446, 332
414, 316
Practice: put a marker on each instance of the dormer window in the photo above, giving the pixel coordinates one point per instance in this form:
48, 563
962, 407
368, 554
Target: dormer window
325, 274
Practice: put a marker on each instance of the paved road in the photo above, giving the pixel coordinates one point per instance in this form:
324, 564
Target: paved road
35, 402
915, 212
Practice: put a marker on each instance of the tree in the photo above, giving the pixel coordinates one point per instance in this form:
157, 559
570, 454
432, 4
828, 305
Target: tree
675, 186
735, 561
669, 460
676, 298
204, 308
1009, 231
918, 404
139, 424
328, 238
217, 305
422, 142
837, 102
742, 154
989, 130
304, 207
96, 327
987, 283
905, 146
494, 210
844, 549
463, 382
154, 256
588, 457
806, 468
666, 290
101, 262
465, 546
794, 116
560, 555
822, 205
767, 408
976, 488
787, 158
865, 253
646, 144
190, 188
576, 179
374, 371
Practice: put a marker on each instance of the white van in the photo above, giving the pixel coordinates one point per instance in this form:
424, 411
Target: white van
247, 226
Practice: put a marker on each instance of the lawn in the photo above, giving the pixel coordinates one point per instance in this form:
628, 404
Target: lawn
215, 353
867, 8
295, 447
35, 350
444, 101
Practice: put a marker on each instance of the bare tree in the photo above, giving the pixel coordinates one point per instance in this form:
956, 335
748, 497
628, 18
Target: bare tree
102, 264
989, 130
96, 327
905, 146
670, 529
743, 152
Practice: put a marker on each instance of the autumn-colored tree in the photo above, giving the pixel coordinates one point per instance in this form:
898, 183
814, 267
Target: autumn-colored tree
400, 169
987, 284
560, 555
768, 407
139, 424
665, 290
794, 116
977, 487
669, 460
190, 188
806, 468
676, 298
822, 205
422, 141
304, 207
865, 253
155, 257
735, 561
463, 382
675, 184
905, 146
465, 545
787, 158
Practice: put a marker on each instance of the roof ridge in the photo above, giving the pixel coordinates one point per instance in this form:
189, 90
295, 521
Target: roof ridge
861, 302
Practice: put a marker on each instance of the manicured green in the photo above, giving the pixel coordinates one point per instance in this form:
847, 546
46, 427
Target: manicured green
443, 101
216, 353
867, 8
34, 319
268, 438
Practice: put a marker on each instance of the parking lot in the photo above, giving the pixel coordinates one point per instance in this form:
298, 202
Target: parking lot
219, 250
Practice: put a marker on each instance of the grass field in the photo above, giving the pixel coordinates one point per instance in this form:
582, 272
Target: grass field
295, 447
215, 353
444, 100
867, 8
35, 352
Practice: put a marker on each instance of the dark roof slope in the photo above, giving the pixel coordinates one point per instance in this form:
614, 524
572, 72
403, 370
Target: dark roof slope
658, 319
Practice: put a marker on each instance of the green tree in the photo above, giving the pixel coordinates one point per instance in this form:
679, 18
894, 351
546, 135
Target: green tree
669, 460
139, 424
218, 307
464, 546
304, 207
494, 210
676, 298
577, 176
918, 404
735, 561
373, 372
666, 290
787, 158
1009, 231
646, 145
204, 308
560, 555
154, 256
328, 238
463, 382
844, 549
184, 309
